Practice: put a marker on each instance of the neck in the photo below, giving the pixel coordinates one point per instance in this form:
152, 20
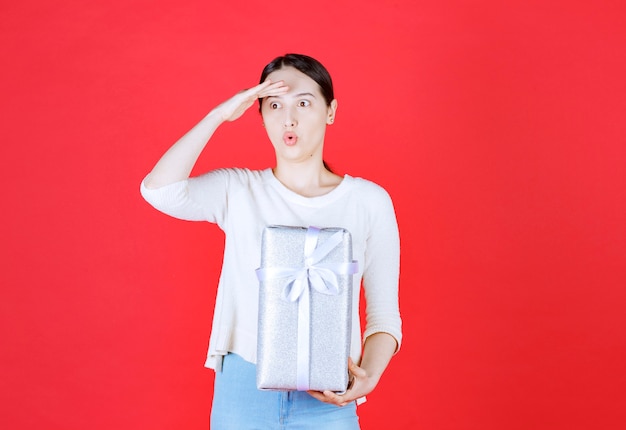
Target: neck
307, 179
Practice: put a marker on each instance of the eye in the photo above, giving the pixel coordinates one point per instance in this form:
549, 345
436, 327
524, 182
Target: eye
304, 103
274, 105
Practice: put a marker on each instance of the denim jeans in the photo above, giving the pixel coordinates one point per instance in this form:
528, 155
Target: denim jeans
239, 405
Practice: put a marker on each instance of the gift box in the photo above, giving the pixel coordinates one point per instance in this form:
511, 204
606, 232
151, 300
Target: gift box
305, 309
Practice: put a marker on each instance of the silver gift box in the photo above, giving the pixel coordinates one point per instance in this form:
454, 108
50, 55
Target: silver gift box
328, 324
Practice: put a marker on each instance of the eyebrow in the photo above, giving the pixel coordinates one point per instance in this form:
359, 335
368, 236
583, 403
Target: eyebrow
295, 96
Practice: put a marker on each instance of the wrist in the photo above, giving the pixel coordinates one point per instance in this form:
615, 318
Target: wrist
216, 116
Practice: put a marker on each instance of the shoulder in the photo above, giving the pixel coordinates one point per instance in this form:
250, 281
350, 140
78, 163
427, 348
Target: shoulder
373, 201
373, 191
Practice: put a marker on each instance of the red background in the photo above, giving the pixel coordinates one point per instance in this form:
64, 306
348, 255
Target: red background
497, 127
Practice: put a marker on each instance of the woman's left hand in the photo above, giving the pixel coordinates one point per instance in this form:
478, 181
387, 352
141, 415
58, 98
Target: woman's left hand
361, 384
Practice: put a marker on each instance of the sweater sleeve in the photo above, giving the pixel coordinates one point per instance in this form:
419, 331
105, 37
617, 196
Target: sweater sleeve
201, 198
382, 268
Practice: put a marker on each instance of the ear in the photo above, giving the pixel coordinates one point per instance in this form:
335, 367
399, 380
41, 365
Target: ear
332, 111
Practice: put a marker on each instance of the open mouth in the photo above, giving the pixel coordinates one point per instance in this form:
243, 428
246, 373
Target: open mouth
290, 138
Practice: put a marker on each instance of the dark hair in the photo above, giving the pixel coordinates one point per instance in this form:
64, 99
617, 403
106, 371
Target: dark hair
307, 65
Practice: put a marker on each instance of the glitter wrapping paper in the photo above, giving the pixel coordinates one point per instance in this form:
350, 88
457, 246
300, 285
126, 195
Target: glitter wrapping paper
329, 315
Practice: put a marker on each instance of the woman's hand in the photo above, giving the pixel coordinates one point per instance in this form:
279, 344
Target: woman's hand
176, 164
361, 384
234, 107
378, 350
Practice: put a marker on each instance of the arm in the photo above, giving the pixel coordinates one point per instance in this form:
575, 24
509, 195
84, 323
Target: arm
176, 164
380, 281
377, 352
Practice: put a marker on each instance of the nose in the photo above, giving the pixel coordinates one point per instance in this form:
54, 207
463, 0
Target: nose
290, 120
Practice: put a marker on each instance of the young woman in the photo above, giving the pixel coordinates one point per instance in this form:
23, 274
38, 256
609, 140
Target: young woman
297, 104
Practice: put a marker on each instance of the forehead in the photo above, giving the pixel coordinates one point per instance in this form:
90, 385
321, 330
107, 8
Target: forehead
297, 81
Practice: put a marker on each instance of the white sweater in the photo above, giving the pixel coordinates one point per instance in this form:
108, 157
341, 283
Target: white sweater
242, 202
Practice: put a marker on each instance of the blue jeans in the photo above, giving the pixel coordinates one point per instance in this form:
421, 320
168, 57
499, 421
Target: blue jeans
239, 405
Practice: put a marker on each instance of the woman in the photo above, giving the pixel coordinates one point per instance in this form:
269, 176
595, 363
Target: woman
297, 104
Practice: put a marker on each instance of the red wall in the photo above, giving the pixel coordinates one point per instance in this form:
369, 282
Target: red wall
498, 128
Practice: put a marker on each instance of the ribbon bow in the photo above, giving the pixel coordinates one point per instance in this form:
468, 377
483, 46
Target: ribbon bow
320, 276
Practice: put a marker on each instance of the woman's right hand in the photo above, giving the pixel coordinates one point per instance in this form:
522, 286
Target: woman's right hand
176, 164
234, 107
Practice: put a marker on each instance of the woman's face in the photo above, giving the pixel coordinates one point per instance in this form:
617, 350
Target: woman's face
296, 121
